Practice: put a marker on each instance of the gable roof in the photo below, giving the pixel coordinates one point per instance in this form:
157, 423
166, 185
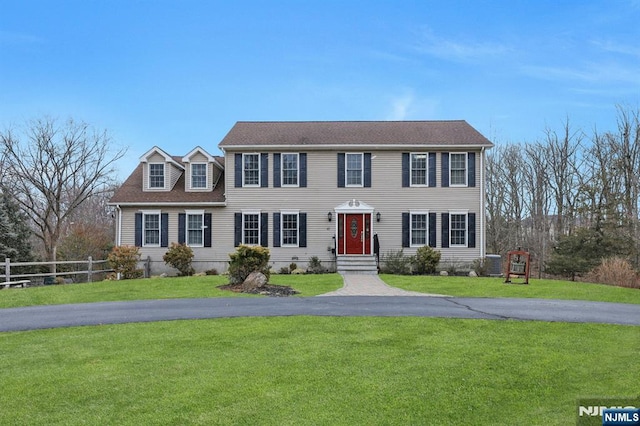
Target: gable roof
167, 158
328, 134
131, 192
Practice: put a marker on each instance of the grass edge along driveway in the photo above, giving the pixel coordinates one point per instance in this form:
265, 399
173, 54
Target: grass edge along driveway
308, 285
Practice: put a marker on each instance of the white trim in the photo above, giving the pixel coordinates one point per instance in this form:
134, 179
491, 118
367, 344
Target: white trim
187, 158
206, 176
426, 237
482, 209
253, 185
426, 170
253, 213
466, 170
144, 228
168, 159
164, 176
186, 226
346, 170
295, 213
464, 213
282, 184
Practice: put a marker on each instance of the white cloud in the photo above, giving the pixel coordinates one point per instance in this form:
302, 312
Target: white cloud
400, 107
409, 107
458, 49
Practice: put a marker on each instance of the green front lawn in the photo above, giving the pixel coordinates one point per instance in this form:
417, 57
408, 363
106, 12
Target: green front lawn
307, 285
314, 371
495, 287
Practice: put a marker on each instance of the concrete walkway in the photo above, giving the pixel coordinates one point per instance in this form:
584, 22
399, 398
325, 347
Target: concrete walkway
371, 285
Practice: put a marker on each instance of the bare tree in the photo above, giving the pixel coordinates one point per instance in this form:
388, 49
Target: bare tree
563, 154
54, 168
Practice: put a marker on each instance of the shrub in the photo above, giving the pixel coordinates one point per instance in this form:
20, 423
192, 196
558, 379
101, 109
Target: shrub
395, 262
314, 266
212, 271
426, 260
292, 267
247, 259
124, 261
614, 271
180, 256
285, 270
481, 267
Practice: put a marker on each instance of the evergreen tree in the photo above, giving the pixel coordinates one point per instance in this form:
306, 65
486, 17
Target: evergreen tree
15, 233
584, 249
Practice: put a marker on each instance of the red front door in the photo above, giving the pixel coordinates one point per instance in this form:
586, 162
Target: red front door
355, 233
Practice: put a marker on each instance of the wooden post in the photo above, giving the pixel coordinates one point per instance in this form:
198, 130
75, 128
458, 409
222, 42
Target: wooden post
89, 268
7, 269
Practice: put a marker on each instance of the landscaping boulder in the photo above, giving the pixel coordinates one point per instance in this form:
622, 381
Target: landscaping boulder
443, 273
256, 279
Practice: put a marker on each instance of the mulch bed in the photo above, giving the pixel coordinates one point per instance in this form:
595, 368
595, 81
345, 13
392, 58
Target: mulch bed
266, 290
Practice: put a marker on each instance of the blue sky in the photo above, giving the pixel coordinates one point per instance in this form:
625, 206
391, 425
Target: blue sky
179, 74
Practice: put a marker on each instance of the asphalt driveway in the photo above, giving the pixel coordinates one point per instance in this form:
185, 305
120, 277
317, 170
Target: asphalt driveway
54, 316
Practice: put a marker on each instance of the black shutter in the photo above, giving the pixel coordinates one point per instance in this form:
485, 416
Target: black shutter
367, 170
276, 170
207, 230
237, 230
164, 225
445, 230
471, 225
405, 170
302, 229
471, 169
182, 224
276, 229
138, 229
264, 229
303, 170
238, 170
264, 170
341, 170
445, 169
432, 230
432, 169
405, 230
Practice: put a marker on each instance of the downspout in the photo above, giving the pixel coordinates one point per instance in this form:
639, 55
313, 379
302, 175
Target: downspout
483, 249
119, 226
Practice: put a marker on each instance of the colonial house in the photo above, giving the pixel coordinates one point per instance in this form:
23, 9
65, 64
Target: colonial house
339, 191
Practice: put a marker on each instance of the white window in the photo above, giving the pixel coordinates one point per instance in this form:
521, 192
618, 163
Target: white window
458, 169
195, 228
419, 229
458, 229
290, 169
251, 228
156, 175
250, 169
419, 169
151, 229
198, 175
289, 229
354, 169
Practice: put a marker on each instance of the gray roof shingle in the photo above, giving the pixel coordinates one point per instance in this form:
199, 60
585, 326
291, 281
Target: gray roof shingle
131, 192
330, 133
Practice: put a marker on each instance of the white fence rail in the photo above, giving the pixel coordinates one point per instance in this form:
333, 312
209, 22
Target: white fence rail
93, 267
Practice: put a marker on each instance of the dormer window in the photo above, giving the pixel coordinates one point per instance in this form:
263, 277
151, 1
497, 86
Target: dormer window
198, 176
156, 175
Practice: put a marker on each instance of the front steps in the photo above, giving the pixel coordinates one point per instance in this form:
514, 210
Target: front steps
362, 265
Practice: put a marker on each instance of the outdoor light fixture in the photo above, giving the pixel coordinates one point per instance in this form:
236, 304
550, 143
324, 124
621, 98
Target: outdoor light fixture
378, 216
329, 216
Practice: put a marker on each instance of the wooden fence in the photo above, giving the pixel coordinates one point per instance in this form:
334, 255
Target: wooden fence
93, 267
